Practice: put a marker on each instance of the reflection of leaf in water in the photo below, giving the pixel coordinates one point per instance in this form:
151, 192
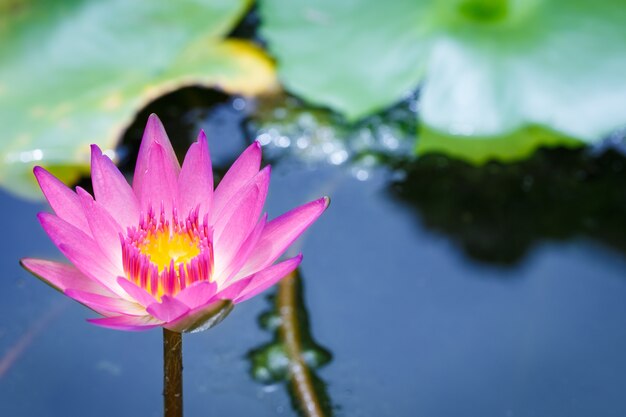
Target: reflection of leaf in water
74, 73
293, 353
498, 211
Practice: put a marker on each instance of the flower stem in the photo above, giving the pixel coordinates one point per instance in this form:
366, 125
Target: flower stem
172, 374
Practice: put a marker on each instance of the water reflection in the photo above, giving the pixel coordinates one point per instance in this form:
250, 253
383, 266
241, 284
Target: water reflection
287, 127
497, 212
18, 347
293, 355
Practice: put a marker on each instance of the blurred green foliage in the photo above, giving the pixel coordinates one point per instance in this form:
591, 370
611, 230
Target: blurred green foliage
75, 72
488, 69
497, 78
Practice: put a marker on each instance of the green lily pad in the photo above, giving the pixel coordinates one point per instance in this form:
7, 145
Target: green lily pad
479, 150
75, 72
489, 68
356, 56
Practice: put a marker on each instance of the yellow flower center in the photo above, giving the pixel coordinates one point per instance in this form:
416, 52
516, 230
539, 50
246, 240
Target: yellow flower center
165, 256
164, 247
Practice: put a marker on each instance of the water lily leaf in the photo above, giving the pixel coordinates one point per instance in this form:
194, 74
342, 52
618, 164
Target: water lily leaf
356, 56
488, 67
74, 73
478, 150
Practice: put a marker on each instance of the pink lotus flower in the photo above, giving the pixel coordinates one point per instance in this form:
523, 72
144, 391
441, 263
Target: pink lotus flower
170, 251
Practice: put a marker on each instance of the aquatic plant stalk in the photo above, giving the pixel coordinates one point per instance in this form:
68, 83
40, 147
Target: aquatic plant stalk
303, 388
172, 374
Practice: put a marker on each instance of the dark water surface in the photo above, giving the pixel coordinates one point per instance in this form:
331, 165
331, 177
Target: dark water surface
416, 324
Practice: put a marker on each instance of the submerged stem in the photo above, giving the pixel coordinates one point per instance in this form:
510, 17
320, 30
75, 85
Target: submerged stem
300, 375
172, 374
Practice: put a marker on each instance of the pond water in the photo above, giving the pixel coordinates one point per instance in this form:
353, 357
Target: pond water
438, 289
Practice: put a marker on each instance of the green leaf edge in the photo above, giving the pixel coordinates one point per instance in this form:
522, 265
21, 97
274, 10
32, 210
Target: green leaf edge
480, 150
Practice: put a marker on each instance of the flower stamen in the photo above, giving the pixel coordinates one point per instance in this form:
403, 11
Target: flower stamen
165, 256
